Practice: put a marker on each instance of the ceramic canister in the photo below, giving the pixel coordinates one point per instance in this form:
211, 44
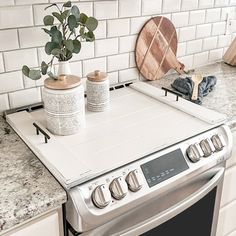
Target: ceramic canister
97, 89
64, 105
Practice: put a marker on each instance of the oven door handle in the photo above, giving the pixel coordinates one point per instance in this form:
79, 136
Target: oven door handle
176, 209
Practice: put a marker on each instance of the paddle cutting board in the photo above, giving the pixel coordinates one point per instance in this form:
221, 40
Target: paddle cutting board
156, 48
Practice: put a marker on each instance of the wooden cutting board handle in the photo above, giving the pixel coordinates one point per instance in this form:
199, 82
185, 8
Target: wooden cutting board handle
230, 55
156, 47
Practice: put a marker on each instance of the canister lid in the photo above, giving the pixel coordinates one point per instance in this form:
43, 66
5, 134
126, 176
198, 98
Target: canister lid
63, 82
97, 76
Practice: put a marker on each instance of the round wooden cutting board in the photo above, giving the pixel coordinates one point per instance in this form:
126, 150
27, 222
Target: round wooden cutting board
156, 47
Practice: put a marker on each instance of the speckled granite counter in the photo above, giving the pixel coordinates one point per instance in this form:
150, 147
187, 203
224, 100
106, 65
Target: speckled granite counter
27, 189
223, 97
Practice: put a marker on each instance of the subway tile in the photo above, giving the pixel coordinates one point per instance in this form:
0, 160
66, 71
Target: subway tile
216, 55
203, 31
227, 10
189, 5
187, 33
85, 7
42, 56
6, 3
113, 77
106, 9
200, 59
150, 7
25, 97
194, 46
119, 27
218, 28
11, 81
104, 47
94, 64
187, 61
206, 3
118, 62
224, 40
180, 19
101, 31
213, 15
17, 16
136, 24
87, 51
29, 2
8, 40
132, 62
232, 2
4, 103
221, 2
171, 6
1, 64
181, 50
127, 43
28, 83
128, 75
32, 37
209, 43
14, 60
197, 17
129, 8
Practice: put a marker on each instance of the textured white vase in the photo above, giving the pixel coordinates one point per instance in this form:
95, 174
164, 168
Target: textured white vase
64, 68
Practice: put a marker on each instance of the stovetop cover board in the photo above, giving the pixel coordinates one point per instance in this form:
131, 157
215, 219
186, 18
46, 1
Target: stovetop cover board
135, 125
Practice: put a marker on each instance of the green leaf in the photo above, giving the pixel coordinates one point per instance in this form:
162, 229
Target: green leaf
81, 31
47, 31
44, 67
91, 23
54, 4
34, 74
77, 46
51, 75
75, 11
25, 70
69, 45
65, 14
72, 22
68, 55
56, 52
56, 36
83, 18
48, 20
58, 16
67, 4
89, 36
50, 46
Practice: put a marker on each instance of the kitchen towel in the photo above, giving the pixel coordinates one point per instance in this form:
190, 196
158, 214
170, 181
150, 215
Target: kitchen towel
185, 86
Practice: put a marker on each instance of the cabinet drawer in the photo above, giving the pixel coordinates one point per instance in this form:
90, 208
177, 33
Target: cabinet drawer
232, 160
226, 222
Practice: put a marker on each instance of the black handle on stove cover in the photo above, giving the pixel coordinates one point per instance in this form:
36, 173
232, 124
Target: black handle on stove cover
38, 129
171, 91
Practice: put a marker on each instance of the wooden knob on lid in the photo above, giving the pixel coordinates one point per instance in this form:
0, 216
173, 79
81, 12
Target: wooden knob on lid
97, 76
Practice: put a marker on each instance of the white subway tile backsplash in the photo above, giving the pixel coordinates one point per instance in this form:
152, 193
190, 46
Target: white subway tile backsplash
130, 8
11, 81
221, 2
113, 77
1, 64
181, 50
94, 64
25, 97
42, 56
228, 10
119, 27
6, 3
203, 31
171, 6
218, 28
17, 16
187, 33
216, 55
189, 4
209, 43
200, 59
4, 103
105, 47
180, 19
132, 62
128, 75
29, 2
14, 60
127, 44
137, 23
194, 46
8, 40
106, 10
87, 51
118, 62
85, 7
197, 17
224, 40
101, 31
32, 37
213, 15
206, 3
150, 7
187, 61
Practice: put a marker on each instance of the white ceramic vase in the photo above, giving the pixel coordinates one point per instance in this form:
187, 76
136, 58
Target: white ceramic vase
64, 68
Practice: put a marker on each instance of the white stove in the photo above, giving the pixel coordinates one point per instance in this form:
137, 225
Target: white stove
105, 167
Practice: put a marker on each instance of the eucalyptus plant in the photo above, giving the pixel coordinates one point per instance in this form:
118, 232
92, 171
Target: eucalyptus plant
66, 36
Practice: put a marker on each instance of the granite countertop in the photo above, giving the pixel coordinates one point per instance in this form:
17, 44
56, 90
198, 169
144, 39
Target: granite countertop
27, 188
223, 96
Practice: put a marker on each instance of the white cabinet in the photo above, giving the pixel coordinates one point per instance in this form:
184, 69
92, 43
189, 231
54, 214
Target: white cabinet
46, 225
227, 216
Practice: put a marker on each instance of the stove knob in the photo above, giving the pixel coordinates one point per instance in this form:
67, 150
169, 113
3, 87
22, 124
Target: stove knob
101, 196
207, 147
118, 188
218, 142
194, 152
134, 180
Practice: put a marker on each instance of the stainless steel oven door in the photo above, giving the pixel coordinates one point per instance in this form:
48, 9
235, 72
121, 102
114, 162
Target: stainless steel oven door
193, 207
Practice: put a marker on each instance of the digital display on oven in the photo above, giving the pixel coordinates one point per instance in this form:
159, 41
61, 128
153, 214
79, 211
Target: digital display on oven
164, 167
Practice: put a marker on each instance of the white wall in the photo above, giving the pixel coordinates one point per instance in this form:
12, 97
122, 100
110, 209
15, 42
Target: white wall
200, 26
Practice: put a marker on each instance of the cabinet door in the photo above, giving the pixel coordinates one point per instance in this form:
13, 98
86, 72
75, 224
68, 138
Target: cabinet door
48, 225
232, 160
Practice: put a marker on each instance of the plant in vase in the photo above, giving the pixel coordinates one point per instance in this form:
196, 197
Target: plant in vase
66, 36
